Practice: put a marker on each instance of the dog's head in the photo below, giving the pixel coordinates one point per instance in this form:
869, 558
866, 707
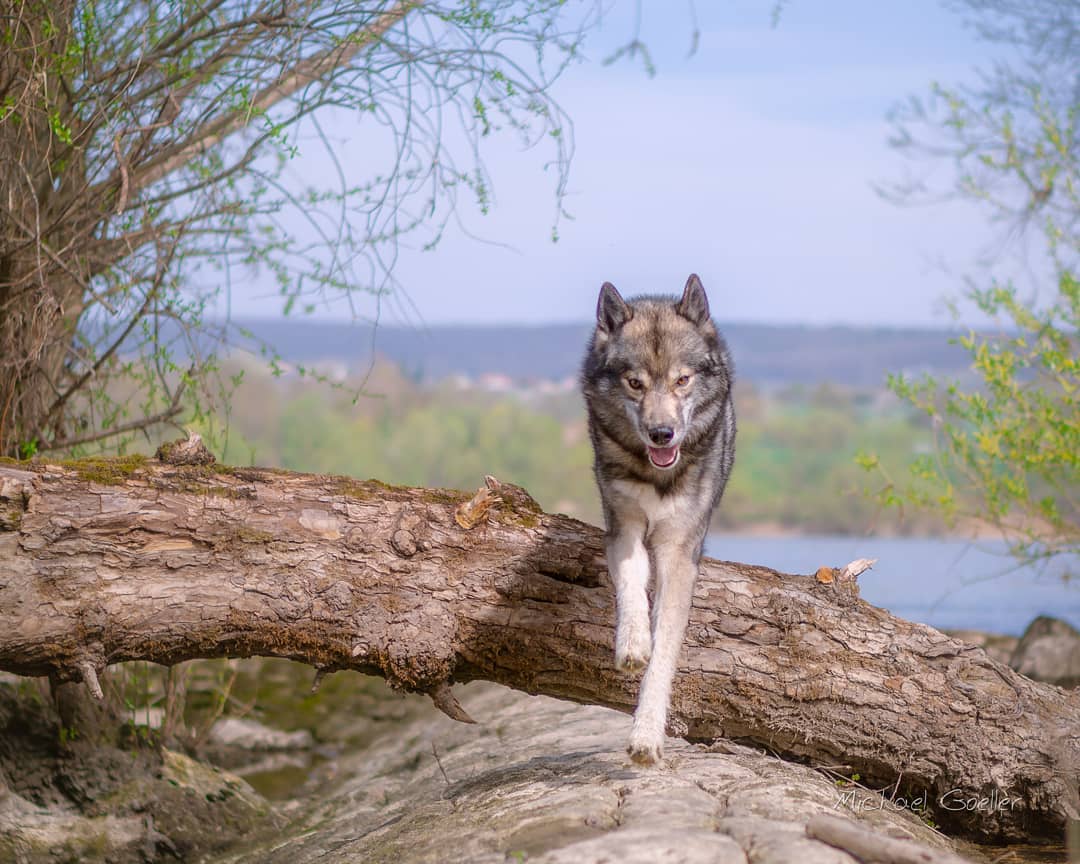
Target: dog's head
662, 361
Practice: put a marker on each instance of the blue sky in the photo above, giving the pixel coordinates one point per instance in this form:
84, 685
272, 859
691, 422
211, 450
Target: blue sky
751, 163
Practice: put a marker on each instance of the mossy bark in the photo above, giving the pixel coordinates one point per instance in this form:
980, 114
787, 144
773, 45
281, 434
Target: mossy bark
340, 574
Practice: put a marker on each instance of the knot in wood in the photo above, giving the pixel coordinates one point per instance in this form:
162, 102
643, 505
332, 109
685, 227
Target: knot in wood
356, 539
786, 611
404, 540
185, 451
338, 596
403, 543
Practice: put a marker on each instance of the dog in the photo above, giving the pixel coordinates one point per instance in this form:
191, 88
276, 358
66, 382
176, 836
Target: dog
657, 380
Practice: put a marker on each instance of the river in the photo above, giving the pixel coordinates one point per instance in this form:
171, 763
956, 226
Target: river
948, 584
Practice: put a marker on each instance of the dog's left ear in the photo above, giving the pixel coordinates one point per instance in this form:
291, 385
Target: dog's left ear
694, 305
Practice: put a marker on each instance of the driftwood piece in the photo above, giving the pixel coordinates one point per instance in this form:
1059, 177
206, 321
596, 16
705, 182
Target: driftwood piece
867, 845
103, 561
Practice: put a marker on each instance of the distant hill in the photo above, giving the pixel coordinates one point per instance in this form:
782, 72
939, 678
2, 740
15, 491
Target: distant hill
767, 355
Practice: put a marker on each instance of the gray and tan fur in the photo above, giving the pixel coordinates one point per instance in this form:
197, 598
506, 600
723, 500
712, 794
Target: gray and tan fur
657, 382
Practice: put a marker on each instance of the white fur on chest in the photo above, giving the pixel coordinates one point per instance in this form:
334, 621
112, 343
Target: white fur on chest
656, 508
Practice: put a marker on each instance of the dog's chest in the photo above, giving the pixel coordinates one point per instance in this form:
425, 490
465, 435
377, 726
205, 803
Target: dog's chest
643, 496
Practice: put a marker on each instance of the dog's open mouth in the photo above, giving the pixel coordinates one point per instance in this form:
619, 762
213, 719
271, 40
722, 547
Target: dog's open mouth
664, 457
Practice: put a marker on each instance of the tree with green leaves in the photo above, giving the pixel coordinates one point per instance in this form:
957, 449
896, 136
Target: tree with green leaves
1008, 447
145, 149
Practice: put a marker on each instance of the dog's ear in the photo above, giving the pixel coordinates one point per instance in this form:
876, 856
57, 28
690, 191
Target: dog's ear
611, 310
694, 305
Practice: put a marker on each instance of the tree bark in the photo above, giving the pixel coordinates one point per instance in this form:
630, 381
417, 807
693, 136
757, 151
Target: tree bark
103, 561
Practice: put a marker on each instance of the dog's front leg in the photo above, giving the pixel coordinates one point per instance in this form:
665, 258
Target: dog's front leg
628, 564
676, 572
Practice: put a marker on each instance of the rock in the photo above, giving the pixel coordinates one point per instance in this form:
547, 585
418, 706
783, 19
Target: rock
189, 810
67, 798
1049, 651
247, 734
30, 834
549, 782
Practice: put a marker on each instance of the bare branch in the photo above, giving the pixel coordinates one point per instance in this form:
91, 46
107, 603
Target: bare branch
305, 73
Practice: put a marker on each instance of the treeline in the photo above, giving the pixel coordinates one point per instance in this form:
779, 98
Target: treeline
795, 466
773, 353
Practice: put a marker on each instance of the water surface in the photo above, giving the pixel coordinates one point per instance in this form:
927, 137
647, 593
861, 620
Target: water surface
948, 584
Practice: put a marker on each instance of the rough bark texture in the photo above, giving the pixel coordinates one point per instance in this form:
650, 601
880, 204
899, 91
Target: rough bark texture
107, 561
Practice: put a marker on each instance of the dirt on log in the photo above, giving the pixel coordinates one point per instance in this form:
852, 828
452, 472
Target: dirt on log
103, 561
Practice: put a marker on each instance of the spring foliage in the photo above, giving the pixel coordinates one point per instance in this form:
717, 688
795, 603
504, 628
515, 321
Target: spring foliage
148, 158
1008, 450
1008, 443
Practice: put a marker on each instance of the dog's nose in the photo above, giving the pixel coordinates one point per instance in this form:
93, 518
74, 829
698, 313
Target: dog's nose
661, 435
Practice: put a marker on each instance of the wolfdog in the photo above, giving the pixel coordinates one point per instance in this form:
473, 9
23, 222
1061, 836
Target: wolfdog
657, 381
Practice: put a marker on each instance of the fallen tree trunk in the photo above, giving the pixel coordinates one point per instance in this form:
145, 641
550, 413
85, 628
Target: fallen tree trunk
103, 561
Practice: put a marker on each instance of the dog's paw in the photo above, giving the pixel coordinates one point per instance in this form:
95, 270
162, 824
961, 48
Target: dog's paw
633, 647
645, 749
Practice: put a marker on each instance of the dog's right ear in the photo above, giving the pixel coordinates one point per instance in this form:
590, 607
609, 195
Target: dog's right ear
611, 310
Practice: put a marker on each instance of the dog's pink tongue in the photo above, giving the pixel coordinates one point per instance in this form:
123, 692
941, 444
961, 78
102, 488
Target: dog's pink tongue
663, 456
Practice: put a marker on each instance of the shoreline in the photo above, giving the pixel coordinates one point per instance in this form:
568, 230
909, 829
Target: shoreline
782, 531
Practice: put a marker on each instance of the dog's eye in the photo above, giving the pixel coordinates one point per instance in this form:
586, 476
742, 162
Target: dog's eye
634, 383
683, 381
